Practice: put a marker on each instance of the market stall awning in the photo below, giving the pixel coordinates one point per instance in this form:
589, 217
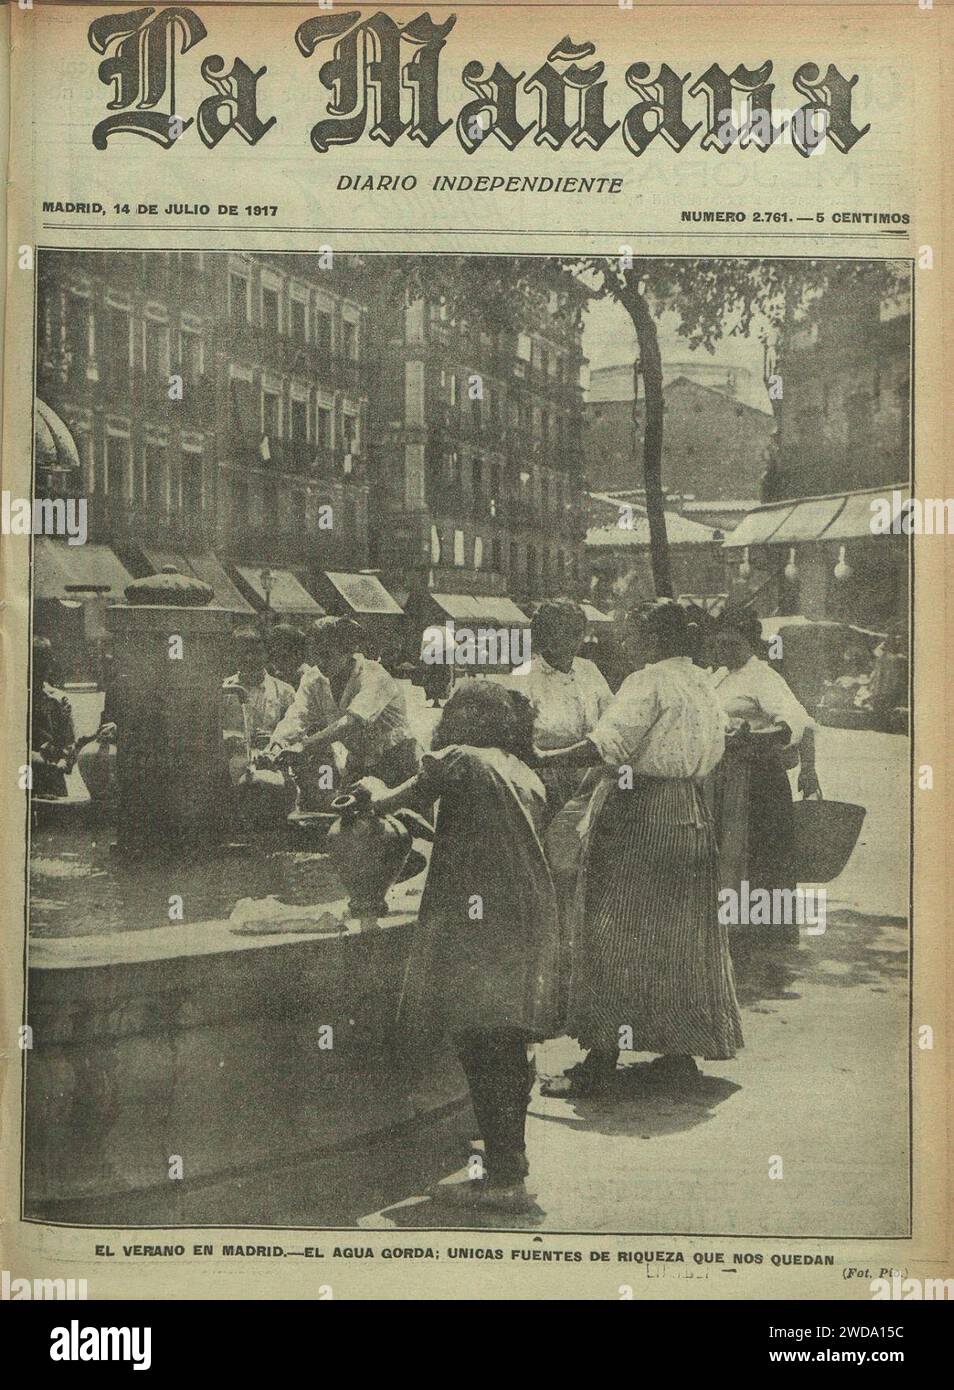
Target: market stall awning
211, 571
157, 559
364, 594
482, 608
594, 615
205, 567
287, 594
854, 521
53, 444
759, 526
808, 520
61, 570
680, 530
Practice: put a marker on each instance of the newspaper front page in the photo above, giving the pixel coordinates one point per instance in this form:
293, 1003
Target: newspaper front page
475, 627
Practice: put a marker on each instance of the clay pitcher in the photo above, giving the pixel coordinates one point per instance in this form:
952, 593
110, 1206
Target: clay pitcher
367, 853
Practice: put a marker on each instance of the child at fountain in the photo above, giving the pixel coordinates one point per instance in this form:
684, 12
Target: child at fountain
484, 960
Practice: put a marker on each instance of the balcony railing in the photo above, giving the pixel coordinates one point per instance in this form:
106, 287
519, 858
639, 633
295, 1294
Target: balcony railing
114, 517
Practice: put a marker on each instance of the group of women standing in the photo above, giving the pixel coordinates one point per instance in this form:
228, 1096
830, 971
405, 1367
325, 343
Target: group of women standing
650, 968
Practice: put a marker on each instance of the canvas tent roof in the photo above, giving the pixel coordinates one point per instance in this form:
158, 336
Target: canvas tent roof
288, 594
72, 571
364, 594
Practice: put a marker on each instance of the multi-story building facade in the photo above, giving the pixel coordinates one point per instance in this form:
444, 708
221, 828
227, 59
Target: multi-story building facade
217, 400
843, 419
843, 444
714, 445
236, 404
478, 440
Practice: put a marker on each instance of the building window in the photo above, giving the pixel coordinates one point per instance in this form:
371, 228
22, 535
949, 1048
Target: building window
118, 480
323, 331
272, 414
119, 346
478, 553
324, 427
192, 484
298, 422
238, 299
155, 348
349, 432
435, 545
154, 479
350, 339
459, 548
299, 321
271, 310
78, 334
190, 356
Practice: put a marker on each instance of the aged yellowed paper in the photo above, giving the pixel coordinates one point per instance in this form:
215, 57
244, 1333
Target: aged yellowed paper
475, 577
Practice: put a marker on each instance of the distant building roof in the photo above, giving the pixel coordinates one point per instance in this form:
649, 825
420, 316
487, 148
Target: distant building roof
615, 383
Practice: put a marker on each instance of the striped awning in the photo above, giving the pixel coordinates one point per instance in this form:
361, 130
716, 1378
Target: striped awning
846, 516
854, 521
760, 526
808, 520
53, 444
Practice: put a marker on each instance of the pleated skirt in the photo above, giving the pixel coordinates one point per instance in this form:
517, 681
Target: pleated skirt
651, 967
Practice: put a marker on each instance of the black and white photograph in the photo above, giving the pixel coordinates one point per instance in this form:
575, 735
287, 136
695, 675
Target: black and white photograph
469, 779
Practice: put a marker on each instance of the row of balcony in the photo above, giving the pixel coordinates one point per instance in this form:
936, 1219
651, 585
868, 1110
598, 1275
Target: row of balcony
114, 517
265, 347
453, 500
518, 445
294, 456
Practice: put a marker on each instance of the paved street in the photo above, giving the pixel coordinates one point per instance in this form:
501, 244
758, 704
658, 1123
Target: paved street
821, 1083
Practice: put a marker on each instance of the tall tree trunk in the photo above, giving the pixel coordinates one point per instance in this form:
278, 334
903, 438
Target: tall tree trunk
649, 366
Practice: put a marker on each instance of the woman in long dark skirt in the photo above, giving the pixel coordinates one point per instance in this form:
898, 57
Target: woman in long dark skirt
484, 961
771, 732
651, 969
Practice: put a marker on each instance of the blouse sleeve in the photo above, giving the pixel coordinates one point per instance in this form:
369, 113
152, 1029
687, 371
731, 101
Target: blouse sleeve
630, 715
777, 700
600, 688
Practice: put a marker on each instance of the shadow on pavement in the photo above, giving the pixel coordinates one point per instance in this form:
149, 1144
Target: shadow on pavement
640, 1105
854, 950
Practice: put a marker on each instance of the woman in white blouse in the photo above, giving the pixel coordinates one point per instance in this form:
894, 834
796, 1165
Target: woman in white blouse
770, 732
651, 967
567, 692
